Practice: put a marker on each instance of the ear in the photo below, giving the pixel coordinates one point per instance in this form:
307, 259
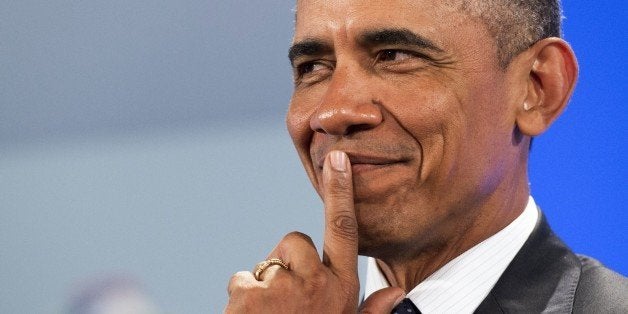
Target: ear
552, 73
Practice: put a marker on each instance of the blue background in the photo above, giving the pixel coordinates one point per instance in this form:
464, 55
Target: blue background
145, 139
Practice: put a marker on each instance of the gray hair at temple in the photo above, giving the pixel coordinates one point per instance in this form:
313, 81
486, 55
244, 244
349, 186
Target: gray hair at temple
516, 24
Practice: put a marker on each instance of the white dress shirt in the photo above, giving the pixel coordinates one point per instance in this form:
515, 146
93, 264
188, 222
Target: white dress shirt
463, 283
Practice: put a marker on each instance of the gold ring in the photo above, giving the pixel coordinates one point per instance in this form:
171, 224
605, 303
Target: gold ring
261, 267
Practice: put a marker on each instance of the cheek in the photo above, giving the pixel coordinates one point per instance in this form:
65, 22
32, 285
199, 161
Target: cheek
298, 124
428, 114
434, 116
426, 104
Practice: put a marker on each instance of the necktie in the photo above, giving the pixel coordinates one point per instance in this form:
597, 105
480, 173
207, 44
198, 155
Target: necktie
406, 307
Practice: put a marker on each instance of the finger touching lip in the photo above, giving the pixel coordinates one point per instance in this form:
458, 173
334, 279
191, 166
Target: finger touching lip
367, 160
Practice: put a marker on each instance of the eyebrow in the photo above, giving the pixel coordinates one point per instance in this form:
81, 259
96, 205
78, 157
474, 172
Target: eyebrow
397, 36
308, 47
388, 36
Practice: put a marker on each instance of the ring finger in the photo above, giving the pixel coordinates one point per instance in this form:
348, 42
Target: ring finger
298, 252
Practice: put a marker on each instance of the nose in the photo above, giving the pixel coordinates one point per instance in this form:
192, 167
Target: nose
346, 107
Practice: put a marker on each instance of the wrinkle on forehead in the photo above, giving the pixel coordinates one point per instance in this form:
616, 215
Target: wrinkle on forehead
335, 15
439, 7
349, 11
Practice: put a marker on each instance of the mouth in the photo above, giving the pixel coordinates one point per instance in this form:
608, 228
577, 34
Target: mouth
361, 163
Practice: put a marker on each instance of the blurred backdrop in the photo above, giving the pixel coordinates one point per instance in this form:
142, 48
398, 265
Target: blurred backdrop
144, 158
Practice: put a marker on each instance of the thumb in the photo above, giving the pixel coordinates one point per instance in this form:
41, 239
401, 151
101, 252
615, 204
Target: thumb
382, 301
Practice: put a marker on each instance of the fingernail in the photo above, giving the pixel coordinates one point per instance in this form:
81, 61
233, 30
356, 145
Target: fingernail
338, 161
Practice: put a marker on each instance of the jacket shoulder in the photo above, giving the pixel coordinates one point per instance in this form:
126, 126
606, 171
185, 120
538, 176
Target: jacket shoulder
600, 290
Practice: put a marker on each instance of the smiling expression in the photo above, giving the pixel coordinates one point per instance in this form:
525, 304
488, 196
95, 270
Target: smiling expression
412, 91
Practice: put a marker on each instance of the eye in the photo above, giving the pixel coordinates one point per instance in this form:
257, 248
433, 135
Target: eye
309, 67
391, 55
312, 71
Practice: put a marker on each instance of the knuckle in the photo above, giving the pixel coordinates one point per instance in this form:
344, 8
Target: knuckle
291, 241
247, 295
345, 226
297, 236
239, 284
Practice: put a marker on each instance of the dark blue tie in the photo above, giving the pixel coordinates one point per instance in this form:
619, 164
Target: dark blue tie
405, 307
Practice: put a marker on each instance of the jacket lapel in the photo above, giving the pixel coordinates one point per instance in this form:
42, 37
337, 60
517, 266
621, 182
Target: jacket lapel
542, 278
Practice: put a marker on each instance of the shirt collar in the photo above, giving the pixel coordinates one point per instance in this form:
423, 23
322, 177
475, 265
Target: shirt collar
461, 284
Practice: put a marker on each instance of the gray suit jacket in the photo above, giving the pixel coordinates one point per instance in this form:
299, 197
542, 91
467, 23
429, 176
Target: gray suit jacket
547, 277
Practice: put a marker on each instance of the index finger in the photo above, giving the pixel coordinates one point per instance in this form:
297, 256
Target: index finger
340, 247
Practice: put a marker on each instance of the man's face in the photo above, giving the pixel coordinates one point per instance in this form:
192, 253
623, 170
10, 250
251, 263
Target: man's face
412, 91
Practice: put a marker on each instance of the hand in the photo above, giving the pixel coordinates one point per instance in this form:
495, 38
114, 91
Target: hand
311, 285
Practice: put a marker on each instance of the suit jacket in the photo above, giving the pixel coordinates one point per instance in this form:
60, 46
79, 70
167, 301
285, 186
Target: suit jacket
547, 277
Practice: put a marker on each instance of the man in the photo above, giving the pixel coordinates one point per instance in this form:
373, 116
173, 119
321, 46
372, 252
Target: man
413, 119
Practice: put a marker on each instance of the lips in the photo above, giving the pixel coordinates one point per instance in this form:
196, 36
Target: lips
360, 161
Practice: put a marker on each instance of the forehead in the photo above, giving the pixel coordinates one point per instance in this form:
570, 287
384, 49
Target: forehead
315, 18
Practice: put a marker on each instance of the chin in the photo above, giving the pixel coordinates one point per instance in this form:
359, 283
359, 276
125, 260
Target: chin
384, 238
384, 250
381, 238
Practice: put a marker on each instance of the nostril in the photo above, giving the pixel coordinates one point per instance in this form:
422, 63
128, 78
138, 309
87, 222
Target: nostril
357, 128
346, 119
315, 125
318, 130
